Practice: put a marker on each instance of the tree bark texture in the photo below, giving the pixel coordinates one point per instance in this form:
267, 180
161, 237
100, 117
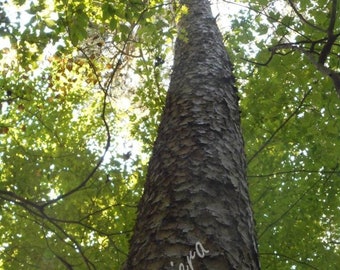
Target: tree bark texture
195, 212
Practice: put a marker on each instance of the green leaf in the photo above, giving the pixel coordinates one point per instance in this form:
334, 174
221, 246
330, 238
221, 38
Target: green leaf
108, 10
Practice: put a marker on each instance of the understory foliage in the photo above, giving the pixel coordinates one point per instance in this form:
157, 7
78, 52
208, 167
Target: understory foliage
82, 86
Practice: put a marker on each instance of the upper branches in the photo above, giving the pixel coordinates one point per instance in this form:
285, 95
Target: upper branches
320, 52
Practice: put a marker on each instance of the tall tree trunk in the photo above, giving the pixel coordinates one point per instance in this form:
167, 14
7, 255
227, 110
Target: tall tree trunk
195, 211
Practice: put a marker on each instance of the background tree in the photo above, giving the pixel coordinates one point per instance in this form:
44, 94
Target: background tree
196, 190
81, 78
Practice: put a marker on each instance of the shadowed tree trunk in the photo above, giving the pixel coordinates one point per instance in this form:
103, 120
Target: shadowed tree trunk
195, 211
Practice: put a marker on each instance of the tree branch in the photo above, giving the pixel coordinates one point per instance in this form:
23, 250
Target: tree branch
335, 76
264, 145
307, 191
27, 204
330, 33
105, 89
258, 11
288, 258
303, 19
291, 172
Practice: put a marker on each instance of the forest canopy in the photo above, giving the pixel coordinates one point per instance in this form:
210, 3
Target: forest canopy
82, 87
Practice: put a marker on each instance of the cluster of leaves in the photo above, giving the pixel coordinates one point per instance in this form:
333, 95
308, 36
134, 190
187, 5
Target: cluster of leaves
285, 53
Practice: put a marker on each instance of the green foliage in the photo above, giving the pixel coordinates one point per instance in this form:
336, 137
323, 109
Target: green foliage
68, 188
291, 128
68, 184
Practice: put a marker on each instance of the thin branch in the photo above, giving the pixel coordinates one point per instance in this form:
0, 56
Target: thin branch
274, 49
264, 145
107, 128
268, 16
288, 258
330, 41
335, 76
258, 63
63, 261
290, 172
96, 167
88, 263
307, 191
303, 19
32, 207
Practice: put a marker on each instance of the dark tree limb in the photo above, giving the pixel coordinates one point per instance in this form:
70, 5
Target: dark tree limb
310, 55
331, 36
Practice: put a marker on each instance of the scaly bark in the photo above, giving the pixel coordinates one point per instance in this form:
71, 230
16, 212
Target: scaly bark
195, 211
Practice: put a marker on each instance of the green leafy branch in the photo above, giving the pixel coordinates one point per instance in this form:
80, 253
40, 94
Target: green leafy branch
334, 75
38, 209
326, 43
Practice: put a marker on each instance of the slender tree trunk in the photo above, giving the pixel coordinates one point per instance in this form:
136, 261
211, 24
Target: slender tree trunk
195, 212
